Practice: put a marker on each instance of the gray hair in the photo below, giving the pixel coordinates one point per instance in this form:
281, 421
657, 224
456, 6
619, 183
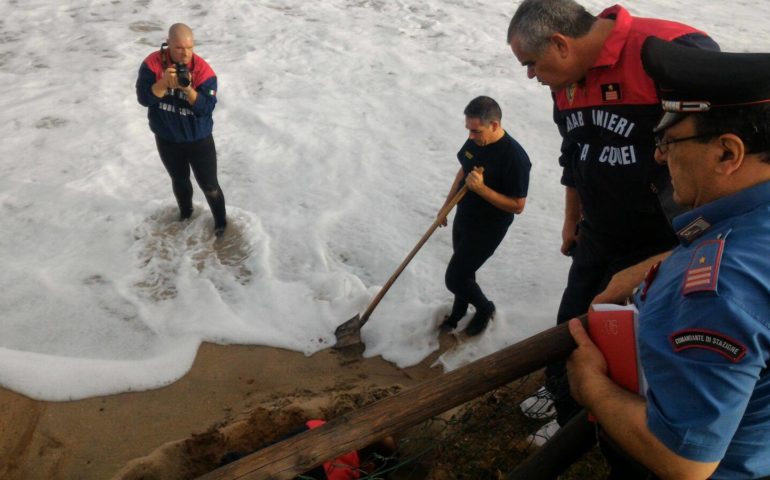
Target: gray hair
536, 20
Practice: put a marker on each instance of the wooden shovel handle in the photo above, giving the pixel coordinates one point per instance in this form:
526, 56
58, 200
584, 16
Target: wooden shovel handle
439, 220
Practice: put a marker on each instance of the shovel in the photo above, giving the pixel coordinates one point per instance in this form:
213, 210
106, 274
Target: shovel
349, 333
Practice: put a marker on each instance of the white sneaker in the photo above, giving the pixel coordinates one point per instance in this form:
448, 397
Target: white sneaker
544, 434
539, 405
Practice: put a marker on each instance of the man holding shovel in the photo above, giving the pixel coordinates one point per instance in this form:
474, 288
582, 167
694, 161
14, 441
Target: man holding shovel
496, 170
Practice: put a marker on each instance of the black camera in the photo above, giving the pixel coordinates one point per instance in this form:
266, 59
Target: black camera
182, 75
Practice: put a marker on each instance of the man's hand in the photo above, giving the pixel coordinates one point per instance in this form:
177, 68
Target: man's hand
475, 180
168, 80
569, 237
620, 288
190, 93
169, 76
171, 80
444, 222
586, 366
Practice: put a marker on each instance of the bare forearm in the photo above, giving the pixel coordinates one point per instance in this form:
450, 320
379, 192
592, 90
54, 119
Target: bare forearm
634, 437
455, 186
572, 214
503, 202
638, 271
572, 207
623, 416
624, 282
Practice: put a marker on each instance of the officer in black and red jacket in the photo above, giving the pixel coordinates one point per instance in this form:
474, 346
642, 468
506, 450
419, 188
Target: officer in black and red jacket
618, 199
179, 90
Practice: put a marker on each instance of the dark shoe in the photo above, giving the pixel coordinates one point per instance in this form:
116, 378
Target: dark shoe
448, 324
219, 230
450, 321
185, 214
480, 320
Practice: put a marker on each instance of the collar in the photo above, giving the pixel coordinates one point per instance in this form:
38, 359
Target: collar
691, 225
615, 42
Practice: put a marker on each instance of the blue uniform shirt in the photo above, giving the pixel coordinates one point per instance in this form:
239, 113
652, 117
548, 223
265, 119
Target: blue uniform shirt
704, 337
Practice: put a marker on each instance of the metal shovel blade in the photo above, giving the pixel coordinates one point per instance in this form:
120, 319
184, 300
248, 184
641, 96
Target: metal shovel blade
349, 333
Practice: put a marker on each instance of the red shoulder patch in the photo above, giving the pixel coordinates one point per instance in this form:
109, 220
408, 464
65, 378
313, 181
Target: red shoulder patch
703, 271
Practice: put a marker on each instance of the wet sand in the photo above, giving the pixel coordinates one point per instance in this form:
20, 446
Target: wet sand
118, 436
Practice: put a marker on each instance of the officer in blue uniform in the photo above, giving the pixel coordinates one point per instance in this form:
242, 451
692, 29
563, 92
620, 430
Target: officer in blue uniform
704, 314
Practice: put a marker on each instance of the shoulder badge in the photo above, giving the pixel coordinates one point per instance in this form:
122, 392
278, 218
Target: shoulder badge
694, 229
703, 271
611, 92
729, 348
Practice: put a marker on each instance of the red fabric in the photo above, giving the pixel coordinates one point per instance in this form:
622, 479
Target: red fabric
344, 467
620, 62
201, 70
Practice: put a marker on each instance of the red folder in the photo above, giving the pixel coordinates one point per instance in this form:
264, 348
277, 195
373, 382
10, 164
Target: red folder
613, 329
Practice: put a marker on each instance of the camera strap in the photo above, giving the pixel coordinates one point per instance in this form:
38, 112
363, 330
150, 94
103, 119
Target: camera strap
165, 57
163, 53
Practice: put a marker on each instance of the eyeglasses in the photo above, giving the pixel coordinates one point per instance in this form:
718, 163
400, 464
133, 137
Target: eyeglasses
662, 145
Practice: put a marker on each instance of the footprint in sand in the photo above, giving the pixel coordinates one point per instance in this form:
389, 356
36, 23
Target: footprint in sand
166, 246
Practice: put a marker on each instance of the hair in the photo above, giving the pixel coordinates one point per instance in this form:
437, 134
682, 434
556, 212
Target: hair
484, 108
750, 123
536, 20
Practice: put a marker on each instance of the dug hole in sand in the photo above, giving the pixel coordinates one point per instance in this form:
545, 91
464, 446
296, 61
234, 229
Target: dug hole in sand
234, 398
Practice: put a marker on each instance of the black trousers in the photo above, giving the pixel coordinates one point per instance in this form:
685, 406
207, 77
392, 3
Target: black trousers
201, 157
594, 262
473, 243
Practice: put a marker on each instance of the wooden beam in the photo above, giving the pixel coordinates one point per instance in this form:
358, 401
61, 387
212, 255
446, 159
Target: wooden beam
394, 414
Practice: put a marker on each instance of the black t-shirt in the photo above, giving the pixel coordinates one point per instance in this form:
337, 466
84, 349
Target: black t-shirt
506, 171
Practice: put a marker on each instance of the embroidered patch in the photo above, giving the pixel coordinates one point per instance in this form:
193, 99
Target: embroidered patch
611, 92
694, 229
212, 93
703, 271
468, 155
708, 340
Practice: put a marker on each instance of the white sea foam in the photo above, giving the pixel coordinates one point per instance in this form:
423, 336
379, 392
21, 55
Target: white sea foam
337, 127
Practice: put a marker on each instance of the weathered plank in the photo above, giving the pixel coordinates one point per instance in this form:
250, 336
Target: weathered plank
361, 427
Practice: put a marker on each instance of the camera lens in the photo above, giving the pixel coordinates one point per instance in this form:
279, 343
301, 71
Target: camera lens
182, 75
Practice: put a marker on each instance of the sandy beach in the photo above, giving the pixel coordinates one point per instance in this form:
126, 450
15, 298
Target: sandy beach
232, 396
